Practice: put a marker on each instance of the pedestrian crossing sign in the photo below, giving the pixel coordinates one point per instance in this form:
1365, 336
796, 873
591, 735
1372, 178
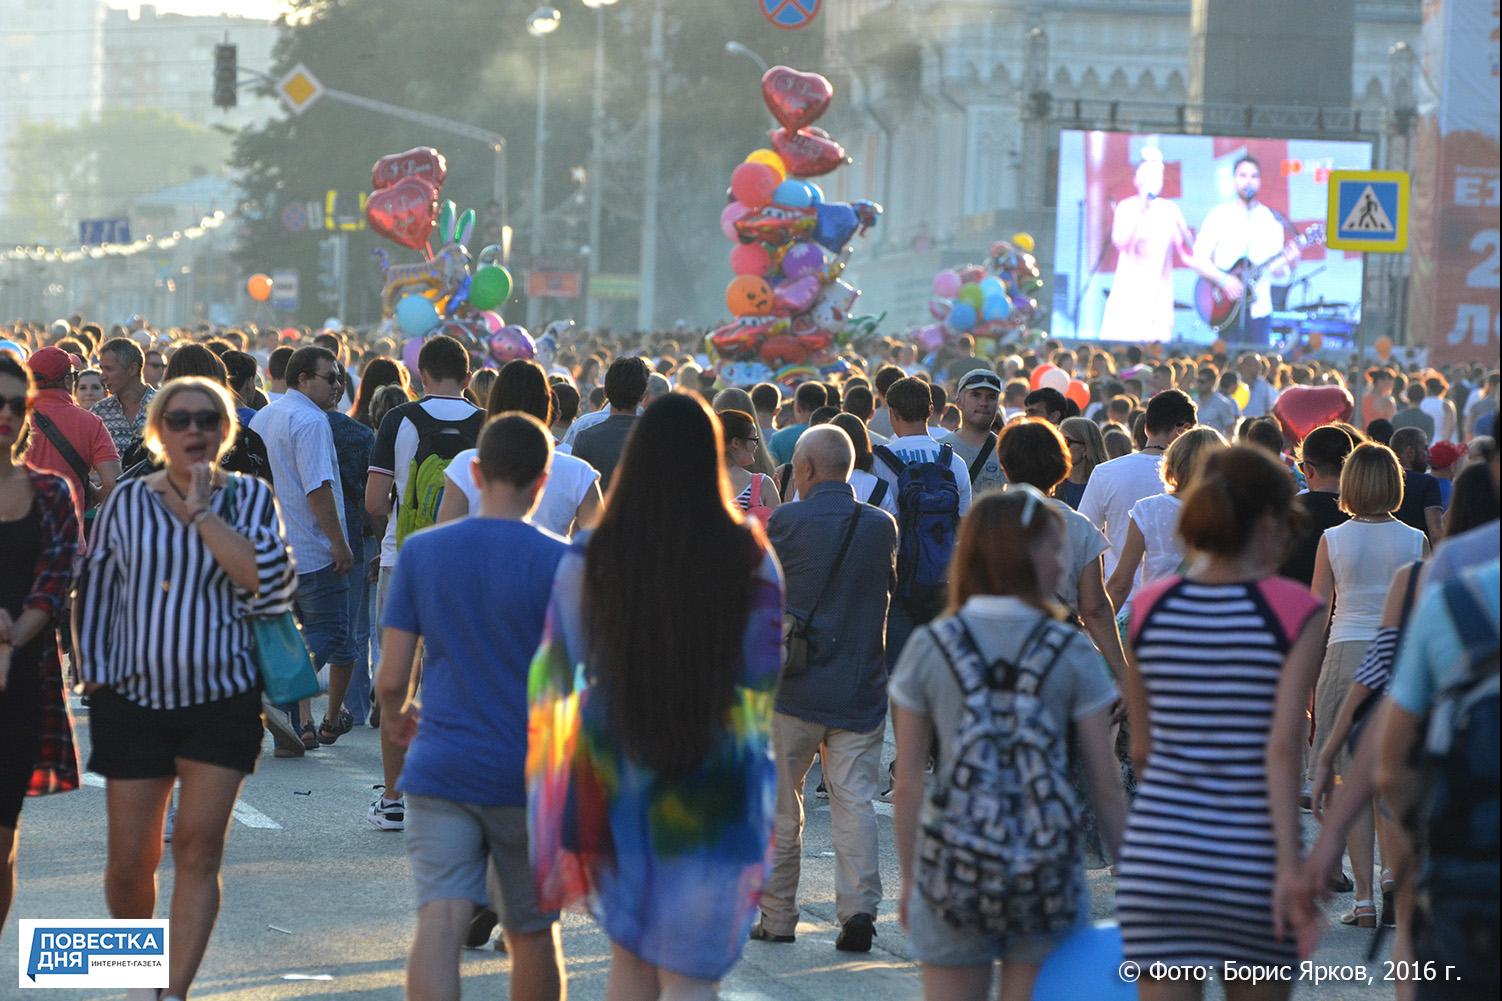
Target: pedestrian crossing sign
1368, 211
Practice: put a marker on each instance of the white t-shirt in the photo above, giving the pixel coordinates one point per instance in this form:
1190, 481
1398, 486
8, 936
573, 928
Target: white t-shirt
1112, 490
394, 457
1231, 231
863, 483
920, 448
567, 485
1157, 518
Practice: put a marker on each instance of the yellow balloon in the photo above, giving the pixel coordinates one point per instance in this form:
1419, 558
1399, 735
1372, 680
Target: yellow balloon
771, 159
1242, 395
1024, 241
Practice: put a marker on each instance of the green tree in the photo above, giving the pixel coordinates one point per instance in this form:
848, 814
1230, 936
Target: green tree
60, 174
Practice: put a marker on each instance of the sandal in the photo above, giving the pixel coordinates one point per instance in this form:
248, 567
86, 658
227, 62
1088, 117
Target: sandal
1362, 914
309, 737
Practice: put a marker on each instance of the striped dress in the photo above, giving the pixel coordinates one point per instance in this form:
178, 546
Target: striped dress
1198, 859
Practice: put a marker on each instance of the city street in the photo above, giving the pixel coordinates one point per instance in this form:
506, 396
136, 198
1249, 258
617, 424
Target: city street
318, 904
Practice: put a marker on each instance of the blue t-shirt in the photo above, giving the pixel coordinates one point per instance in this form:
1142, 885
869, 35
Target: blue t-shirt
476, 591
783, 442
1433, 651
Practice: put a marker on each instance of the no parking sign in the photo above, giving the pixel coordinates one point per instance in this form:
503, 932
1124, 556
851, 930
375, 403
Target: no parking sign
790, 14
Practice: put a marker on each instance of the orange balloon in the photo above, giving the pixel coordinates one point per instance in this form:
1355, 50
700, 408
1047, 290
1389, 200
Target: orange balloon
749, 295
1384, 347
1079, 393
259, 287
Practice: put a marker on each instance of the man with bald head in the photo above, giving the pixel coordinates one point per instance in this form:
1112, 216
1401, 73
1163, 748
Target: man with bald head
839, 561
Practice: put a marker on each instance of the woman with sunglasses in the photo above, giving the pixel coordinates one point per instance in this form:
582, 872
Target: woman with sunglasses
38, 538
183, 557
1006, 571
754, 491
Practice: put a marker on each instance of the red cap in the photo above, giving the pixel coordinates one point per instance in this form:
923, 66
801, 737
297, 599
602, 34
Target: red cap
1444, 454
51, 364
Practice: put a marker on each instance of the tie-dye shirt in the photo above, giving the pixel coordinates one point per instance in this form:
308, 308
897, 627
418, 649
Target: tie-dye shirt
672, 869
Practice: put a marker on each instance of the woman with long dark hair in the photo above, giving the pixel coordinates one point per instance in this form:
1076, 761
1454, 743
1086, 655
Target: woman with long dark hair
378, 372
651, 784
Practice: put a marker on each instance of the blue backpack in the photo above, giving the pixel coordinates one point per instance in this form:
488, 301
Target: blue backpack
928, 514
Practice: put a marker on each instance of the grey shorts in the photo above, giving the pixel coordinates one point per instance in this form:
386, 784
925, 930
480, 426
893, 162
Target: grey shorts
449, 843
935, 942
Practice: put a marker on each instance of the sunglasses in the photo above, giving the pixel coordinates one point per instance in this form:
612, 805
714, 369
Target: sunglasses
17, 405
753, 441
334, 378
204, 420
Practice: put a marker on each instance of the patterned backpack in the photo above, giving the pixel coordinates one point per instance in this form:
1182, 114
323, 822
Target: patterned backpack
999, 853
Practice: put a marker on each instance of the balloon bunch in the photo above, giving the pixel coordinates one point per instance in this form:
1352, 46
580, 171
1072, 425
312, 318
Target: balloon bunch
791, 306
438, 295
988, 301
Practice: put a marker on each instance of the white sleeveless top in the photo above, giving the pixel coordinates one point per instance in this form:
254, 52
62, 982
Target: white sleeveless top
1157, 518
1365, 556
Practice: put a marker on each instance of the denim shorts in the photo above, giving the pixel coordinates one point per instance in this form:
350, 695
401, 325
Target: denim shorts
935, 942
323, 609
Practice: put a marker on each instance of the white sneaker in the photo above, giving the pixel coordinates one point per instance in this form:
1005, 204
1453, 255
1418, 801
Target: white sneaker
387, 814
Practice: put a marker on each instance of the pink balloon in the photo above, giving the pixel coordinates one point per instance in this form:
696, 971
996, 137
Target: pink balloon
930, 338
795, 295
493, 320
750, 259
410, 350
729, 216
947, 284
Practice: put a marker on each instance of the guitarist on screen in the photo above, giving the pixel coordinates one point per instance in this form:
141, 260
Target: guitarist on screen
1244, 229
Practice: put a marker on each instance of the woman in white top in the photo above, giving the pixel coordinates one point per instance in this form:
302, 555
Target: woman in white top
1356, 562
571, 499
754, 492
1439, 408
1151, 551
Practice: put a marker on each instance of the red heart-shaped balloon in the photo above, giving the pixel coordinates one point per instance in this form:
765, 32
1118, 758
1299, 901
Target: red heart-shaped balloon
795, 99
420, 161
1301, 409
808, 152
404, 213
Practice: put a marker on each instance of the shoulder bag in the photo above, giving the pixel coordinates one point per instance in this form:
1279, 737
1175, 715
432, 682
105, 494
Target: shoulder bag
795, 627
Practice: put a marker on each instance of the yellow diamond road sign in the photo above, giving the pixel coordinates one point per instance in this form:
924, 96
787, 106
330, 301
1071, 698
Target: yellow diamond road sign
299, 89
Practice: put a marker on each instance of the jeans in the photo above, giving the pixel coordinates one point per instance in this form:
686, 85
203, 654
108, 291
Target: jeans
357, 696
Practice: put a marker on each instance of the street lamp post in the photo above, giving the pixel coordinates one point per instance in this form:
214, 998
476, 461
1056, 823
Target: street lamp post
541, 23
737, 49
646, 304
596, 162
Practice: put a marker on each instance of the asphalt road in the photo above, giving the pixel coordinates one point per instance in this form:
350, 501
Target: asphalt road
312, 891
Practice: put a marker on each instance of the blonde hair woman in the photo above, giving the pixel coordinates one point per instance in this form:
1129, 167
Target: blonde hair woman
1087, 449
189, 552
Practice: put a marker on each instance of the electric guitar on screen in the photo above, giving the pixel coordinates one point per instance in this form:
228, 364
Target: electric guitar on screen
1221, 311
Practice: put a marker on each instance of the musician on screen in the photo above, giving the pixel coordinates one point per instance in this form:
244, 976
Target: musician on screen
1147, 230
1243, 229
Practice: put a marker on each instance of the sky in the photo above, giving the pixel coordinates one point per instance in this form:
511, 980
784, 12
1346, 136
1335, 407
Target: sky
242, 8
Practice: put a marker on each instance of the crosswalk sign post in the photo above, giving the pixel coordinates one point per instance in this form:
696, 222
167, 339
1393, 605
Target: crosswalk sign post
1368, 211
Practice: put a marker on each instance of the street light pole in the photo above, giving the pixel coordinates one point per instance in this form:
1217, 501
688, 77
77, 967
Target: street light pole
737, 49
596, 163
646, 303
542, 23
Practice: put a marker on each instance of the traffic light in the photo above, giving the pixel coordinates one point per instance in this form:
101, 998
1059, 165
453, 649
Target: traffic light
330, 264
225, 72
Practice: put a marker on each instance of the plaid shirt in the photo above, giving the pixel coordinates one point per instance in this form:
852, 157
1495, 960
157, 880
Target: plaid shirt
56, 767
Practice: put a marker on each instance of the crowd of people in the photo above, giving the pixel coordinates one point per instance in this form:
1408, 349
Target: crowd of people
607, 614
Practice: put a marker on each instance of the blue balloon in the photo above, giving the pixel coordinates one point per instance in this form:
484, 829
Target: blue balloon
416, 315
997, 308
835, 224
1085, 965
815, 193
792, 194
458, 297
961, 317
991, 286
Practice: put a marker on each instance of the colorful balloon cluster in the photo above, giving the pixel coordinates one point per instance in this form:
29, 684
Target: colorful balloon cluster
438, 294
791, 306
988, 301
1050, 376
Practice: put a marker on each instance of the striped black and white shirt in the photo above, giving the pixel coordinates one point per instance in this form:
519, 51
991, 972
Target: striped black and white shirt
159, 620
